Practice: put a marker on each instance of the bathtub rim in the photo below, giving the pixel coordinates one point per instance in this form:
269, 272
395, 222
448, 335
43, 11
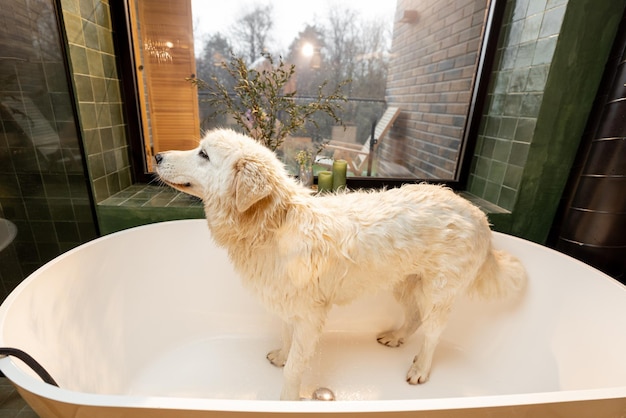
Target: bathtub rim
40, 389
36, 387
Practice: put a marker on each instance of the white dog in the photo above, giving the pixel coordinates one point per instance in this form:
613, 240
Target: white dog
302, 253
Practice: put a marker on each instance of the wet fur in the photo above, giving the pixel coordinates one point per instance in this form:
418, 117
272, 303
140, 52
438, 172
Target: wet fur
301, 254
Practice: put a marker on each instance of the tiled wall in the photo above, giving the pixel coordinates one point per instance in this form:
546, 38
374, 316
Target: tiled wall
43, 189
527, 43
92, 58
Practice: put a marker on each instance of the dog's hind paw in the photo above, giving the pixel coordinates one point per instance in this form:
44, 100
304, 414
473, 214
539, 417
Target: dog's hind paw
390, 339
277, 358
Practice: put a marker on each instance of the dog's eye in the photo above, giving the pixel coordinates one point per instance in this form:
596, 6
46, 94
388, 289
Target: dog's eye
204, 155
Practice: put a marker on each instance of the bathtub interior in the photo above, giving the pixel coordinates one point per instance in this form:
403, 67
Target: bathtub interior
179, 324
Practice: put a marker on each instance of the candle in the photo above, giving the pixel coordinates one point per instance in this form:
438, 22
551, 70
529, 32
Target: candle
340, 167
324, 181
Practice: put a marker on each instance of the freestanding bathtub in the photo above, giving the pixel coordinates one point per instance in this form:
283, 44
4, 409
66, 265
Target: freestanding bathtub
153, 322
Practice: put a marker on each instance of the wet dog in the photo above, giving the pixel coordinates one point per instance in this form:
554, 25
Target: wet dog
302, 253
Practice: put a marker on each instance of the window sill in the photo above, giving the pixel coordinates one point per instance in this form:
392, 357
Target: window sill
142, 204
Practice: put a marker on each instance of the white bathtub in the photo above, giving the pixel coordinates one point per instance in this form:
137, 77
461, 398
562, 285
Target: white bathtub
153, 321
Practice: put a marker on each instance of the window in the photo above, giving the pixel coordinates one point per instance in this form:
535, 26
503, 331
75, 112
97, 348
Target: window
417, 69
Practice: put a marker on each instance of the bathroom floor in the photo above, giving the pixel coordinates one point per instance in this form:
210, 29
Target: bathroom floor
11, 403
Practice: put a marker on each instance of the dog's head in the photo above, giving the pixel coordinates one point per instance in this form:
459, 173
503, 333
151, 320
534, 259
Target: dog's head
227, 166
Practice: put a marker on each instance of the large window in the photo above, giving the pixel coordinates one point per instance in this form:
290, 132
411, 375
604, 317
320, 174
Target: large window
414, 69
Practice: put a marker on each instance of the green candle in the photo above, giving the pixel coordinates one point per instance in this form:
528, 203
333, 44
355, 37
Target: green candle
324, 181
340, 167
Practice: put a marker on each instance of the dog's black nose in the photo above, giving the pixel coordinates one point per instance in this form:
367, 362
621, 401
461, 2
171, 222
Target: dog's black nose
158, 158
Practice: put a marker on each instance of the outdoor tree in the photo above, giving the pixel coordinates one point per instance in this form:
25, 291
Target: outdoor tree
251, 32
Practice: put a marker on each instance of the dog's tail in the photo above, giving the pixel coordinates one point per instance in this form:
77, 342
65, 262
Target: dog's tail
501, 275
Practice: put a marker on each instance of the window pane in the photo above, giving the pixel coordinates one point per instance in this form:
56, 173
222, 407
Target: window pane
411, 66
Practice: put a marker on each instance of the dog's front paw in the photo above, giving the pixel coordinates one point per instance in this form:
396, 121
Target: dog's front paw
277, 358
417, 374
390, 339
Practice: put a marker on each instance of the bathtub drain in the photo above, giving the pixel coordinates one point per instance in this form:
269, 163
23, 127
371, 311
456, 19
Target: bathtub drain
323, 394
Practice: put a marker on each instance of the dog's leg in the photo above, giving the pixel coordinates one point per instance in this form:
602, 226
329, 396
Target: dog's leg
306, 335
405, 293
278, 357
434, 319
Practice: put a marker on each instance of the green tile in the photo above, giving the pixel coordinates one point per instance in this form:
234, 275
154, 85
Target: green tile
91, 140
477, 185
502, 150
482, 167
117, 117
78, 56
535, 7
113, 90
519, 11
497, 172
519, 153
87, 9
502, 81
110, 70
105, 39
43, 231
525, 55
88, 117
73, 28
513, 176
113, 182
531, 103
102, 16
106, 139
103, 110
507, 198
496, 107
56, 185
544, 51
67, 231
99, 89
94, 62
489, 144
56, 77
552, 21
61, 209
515, 33
508, 57
493, 126
507, 128
70, 6
537, 78
37, 209
512, 104
492, 192
525, 129
532, 26
90, 33
518, 79
84, 91
96, 166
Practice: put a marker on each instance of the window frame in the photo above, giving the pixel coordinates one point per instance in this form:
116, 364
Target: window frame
127, 66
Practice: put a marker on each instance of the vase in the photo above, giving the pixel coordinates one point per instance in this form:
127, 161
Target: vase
305, 175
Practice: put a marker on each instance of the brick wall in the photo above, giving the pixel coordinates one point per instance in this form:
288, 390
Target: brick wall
430, 78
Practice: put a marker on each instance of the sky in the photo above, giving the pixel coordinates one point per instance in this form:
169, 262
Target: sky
290, 16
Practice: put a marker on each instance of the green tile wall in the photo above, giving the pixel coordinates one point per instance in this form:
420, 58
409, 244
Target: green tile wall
97, 85
525, 50
43, 186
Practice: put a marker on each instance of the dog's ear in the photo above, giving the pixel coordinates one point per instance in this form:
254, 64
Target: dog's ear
251, 183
